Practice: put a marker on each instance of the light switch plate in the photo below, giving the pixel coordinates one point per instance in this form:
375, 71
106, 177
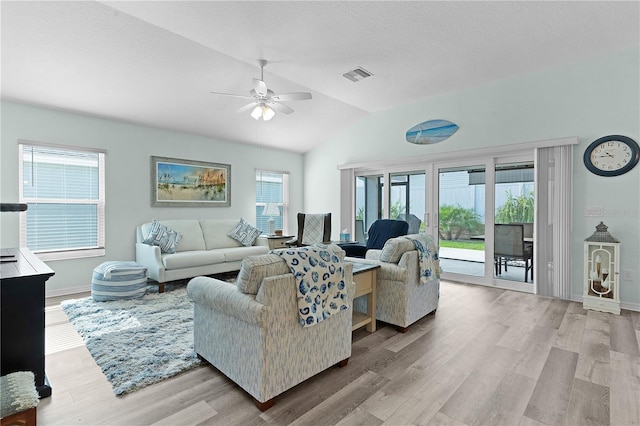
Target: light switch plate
593, 212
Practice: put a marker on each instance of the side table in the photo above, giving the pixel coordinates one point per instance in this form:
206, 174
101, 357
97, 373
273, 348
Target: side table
364, 277
273, 241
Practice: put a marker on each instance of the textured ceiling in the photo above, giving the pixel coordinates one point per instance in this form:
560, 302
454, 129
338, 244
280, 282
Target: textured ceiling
154, 63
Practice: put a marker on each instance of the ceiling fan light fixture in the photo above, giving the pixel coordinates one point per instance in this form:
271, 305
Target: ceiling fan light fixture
267, 113
257, 112
263, 111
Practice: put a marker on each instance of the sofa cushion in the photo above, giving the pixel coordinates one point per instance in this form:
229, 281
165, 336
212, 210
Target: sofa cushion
394, 248
215, 232
244, 233
234, 254
255, 268
163, 236
188, 259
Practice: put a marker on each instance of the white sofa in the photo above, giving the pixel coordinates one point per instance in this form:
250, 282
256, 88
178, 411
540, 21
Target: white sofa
204, 249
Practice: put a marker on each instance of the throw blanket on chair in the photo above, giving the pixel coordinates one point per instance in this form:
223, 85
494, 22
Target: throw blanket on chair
313, 229
319, 281
427, 256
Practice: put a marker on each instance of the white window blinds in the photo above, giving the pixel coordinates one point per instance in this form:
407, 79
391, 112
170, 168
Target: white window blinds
272, 187
64, 190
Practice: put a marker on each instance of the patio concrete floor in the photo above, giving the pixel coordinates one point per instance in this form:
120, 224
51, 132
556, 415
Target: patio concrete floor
471, 262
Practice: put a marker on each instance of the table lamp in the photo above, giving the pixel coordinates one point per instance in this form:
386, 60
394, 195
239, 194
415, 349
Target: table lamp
271, 210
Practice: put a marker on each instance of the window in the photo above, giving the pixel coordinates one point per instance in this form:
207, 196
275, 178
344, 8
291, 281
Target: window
64, 190
272, 187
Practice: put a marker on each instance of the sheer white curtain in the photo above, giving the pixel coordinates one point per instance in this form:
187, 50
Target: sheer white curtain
553, 224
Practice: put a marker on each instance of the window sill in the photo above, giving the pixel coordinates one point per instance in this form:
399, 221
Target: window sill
70, 254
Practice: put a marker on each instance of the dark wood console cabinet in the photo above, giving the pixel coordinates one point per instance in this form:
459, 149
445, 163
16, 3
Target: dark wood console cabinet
22, 279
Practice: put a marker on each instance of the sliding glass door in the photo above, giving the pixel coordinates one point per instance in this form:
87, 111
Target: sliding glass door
407, 199
461, 220
480, 205
369, 204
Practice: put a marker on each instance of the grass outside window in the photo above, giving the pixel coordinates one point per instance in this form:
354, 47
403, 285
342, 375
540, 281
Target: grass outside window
463, 244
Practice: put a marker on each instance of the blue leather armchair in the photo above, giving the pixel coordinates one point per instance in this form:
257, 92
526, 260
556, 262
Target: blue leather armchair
379, 232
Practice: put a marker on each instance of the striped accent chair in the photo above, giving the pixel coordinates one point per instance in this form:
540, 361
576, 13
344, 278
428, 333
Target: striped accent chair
251, 332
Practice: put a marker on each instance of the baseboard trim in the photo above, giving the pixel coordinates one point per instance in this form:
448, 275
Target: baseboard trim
623, 305
67, 291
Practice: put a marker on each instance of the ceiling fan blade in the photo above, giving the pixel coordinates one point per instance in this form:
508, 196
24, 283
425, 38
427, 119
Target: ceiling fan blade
285, 109
247, 107
293, 96
260, 87
232, 95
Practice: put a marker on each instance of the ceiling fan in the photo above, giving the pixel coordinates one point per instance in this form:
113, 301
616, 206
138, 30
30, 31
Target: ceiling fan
264, 102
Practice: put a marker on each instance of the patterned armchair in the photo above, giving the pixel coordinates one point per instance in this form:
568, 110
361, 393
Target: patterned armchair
251, 330
401, 298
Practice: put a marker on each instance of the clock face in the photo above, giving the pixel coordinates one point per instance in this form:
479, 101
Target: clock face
612, 155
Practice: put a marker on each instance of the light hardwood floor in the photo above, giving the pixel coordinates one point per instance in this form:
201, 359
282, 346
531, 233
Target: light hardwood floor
488, 357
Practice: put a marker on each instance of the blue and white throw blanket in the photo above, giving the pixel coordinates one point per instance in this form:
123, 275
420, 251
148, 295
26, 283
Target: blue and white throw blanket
427, 256
320, 282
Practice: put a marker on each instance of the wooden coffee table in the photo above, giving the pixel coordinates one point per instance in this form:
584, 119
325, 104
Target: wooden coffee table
364, 277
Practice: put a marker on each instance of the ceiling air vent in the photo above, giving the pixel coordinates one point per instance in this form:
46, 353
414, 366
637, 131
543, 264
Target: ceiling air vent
357, 74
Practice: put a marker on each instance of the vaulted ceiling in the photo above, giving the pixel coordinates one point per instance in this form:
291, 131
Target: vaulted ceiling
155, 62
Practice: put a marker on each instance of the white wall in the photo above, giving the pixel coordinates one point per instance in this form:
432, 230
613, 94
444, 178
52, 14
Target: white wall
128, 178
588, 99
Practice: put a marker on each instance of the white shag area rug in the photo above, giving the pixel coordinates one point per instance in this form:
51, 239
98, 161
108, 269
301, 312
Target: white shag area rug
137, 342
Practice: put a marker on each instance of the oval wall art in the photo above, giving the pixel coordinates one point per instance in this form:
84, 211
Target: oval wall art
431, 131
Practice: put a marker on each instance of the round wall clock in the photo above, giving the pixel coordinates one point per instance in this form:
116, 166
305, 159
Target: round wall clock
612, 155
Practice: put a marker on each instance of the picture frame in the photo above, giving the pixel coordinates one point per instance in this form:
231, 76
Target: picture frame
189, 183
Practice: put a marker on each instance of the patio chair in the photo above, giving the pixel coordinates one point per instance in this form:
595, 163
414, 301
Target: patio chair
509, 244
413, 221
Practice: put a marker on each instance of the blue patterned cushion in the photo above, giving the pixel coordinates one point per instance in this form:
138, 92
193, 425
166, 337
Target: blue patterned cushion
162, 236
115, 280
244, 233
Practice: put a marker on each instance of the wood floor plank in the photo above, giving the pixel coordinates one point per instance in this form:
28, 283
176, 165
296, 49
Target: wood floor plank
554, 314
535, 352
192, 415
359, 417
443, 420
340, 404
508, 403
570, 332
623, 335
593, 359
478, 348
394, 394
425, 404
474, 396
550, 398
625, 389
588, 404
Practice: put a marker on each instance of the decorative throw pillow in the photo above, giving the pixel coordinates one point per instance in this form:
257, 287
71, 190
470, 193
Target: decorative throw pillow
164, 237
244, 233
394, 248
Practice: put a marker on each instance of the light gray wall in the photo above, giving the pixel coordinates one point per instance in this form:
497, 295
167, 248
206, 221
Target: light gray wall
128, 182
589, 99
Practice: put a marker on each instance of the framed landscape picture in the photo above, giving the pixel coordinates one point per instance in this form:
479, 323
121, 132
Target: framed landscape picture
190, 183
